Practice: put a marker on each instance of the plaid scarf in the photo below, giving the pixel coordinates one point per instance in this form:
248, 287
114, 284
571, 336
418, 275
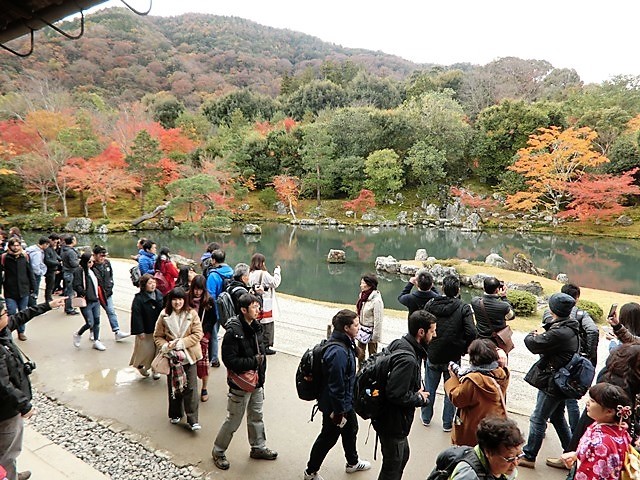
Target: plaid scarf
177, 374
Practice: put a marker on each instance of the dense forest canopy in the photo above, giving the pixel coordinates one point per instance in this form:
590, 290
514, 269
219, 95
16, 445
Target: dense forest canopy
199, 109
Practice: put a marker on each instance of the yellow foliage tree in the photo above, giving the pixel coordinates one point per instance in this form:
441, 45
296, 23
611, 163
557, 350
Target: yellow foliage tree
552, 159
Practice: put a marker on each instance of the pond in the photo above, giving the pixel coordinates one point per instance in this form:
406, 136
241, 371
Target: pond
605, 263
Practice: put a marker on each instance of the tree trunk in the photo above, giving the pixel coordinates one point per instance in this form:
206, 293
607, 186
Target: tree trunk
45, 206
142, 201
104, 210
293, 214
86, 208
318, 183
147, 216
65, 209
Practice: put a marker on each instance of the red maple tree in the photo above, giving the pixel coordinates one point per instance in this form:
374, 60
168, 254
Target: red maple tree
363, 202
470, 200
288, 190
600, 196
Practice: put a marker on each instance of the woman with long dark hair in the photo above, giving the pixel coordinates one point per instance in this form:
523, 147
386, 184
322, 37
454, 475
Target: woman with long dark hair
370, 309
265, 285
177, 335
145, 309
199, 299
626, 326
85, 285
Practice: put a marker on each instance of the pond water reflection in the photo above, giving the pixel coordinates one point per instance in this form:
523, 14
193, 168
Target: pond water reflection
606, 263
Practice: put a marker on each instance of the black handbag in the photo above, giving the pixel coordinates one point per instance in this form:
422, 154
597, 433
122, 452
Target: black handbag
540, 376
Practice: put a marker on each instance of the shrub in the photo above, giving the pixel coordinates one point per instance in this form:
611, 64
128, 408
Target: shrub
33, 221
268, 197
593, 309
523, 303
208, 223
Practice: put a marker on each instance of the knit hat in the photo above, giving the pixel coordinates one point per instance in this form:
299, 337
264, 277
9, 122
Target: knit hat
561, 304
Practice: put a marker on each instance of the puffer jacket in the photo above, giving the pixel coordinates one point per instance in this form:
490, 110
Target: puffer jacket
476, 396
455, 329
241, 343
401, 395
339, 374
555, 346
17, 279
15, 387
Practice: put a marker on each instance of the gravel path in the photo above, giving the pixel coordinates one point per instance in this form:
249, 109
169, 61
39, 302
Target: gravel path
112, 452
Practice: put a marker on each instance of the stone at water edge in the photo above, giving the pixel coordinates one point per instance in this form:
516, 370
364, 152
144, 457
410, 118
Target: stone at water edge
251, 229
562, 278
79, 225
421, 255
336, 256
496, 260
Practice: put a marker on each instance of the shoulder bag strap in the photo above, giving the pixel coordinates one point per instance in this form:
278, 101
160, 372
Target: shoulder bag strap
486, 314
502, 400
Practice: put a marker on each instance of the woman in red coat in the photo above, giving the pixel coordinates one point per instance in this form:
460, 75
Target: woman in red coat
166, 272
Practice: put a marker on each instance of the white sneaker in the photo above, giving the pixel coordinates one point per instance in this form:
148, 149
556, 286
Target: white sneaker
155, 376
97, 344
91, 337
76, 340
311, 476
120, 335
361, 466
195, 427
174, 421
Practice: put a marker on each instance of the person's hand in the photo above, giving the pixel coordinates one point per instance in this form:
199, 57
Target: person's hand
424, 394
29, 414
502, 357
613, 319
336, 418
413, 280
57, 303
569, 458
451, 373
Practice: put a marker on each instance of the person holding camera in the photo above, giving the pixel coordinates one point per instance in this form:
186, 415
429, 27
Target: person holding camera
15, 387
477, 392
492, 310
265, 286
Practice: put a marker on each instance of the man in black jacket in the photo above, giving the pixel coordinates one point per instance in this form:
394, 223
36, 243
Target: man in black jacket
555, 342
70, 261
18, 281
104, 273
492, 310
243, 352
336, 400
403, 394
425, 291
15, 387
52, 261
456, 331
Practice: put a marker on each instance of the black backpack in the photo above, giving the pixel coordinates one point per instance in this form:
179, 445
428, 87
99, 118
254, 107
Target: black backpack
449, 458
134, 273
309, 377
226, 307
369, 395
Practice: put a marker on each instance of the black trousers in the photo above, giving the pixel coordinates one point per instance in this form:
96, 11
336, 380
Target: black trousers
395, 455
49, 284
187, 401
329, 436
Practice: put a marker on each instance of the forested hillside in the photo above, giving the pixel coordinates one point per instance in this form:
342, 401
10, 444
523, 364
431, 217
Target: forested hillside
197, 110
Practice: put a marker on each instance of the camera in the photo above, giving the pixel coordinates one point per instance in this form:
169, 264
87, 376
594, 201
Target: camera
455, 368
29, 367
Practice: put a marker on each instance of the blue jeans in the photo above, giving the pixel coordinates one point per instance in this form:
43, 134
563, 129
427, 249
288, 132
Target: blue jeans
213, 346
111, 314
67, 282
547, 408
432, 374
573, 412
91, 314
15, 305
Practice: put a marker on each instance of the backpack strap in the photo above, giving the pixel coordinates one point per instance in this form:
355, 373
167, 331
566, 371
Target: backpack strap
471, 458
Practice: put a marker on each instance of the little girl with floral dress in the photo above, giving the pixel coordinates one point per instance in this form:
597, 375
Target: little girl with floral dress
601, 452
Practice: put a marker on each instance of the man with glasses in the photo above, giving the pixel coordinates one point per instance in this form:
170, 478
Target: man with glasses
104, 273
15, 387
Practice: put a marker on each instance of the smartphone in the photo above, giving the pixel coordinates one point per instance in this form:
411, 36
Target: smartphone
612, 310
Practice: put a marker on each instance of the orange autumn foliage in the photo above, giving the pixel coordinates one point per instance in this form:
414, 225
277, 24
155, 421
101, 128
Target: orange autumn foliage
365, 200
552, 160
468, 199
288, 190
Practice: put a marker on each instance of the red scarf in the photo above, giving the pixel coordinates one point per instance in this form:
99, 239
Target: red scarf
364, 296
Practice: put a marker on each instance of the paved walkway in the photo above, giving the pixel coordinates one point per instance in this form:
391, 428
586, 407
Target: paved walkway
101, 385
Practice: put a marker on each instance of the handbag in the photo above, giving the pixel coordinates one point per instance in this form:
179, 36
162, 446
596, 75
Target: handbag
78, 302
503, 336
247, 381
160, 364
631, 470
364, 334
540, 376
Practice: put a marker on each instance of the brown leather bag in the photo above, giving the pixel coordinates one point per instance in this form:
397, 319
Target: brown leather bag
502, 337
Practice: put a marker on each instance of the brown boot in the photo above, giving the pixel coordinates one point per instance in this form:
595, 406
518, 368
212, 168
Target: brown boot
24, 475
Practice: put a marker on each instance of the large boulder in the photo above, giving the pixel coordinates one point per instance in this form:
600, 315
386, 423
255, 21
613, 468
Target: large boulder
408, 269
438, 272
522, 264
562, 278
336, 256
387, 264
421, 255
281, 208
624, 221
184, 261
79, 225
496, 260
368, 217
473, 223
532, 287
432, 210
251, 229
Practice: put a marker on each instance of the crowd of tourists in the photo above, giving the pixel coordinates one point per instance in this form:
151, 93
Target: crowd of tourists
184, 323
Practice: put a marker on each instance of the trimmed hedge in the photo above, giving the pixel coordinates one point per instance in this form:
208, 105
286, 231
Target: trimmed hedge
523, 303
593, 308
